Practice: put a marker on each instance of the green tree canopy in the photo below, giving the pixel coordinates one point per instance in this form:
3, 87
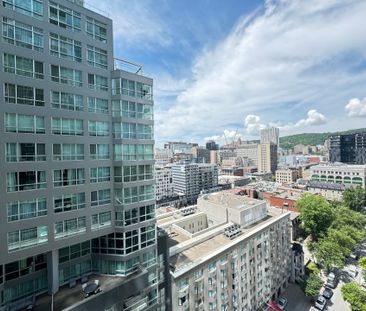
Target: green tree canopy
346, 217
355, 198
313, 285
355, 296
329, 253
316, 214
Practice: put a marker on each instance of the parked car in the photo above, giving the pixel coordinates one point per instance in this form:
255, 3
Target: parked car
332, 280
327, 293
282, 303
352, 272
355, 255
320, 303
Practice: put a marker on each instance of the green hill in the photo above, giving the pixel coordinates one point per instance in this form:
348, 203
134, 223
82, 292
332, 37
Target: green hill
313, 139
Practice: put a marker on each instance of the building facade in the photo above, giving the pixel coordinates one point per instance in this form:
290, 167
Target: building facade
164, 182
349, 175
249, 151
287, 176
77, 154
349, 149
267, 158
270, 135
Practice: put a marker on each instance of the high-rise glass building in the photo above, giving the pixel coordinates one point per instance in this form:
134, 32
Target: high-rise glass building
77, 199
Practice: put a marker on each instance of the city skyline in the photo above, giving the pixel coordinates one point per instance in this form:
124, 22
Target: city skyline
247, 58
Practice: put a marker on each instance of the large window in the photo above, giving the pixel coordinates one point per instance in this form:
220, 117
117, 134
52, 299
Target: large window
99, 151
131, 152
97, 82
20, 123
74, 251
134, 194
132, 89
23, 35
67, 101
69, 202
101, 220
128, 109
133, 173
147, 236
19, 210
98, 128
63, 126
127, 130
68, 152
24, 152
64, 17
32, 8
70, 227
135, 215
100, 197
25, 238
23, 66
68, 177
98, 105
64, 47
66, 75
97, 57
22, 181
100, 174
19, 268
96, 29
24, 95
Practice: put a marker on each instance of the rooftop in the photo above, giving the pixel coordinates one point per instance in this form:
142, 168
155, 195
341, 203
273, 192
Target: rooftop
226, 198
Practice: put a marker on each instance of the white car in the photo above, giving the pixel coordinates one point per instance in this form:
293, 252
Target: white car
352, 272
282, 303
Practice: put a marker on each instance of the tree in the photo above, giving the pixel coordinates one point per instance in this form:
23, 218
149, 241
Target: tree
313, 285
316, 214
355, 198
355, 296
362, 262
346, 238
329, 253
347, 217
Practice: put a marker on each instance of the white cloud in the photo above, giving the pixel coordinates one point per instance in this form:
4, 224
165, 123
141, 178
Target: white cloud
314, 118
253, 124
275, 64
356, 107
227, 137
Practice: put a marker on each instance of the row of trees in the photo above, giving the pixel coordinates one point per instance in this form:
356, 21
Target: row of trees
335, 228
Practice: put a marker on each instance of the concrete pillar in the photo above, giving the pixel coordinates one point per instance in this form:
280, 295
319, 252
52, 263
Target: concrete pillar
52, 271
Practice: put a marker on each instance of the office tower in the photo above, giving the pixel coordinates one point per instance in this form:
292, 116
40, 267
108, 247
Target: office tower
189, 179
211, 145
77, 187
267, 158
270, 135
164, 181
201, 155
230, 253
350, 148
248, 151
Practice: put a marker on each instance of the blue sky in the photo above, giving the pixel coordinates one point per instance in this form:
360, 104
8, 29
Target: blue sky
235, 67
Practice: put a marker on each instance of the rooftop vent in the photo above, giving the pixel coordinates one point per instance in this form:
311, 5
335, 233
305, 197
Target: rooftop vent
187, 211
232, 231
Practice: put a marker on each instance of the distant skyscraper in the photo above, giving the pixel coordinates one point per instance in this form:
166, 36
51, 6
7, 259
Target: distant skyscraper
267, 158
270, 135
211, 145
350, 148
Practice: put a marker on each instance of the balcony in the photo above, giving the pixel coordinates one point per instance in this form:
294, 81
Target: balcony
129, 66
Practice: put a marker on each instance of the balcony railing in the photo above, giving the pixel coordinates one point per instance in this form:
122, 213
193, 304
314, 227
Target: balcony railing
126, 65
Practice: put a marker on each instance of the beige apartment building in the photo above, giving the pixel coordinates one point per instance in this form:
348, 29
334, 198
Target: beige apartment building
287, 176
267, 158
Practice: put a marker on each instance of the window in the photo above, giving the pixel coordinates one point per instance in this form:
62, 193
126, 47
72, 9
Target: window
99, 151
131, 88
100, 174
69, 202
66, 101
64, 17
100, 197
145, 152
25, 266
101, 220
132, 241
98, 128
97, 57
23, 66
22, 181
125, 152
63, 126
19, 210
68, 177
147, 236
74, 251
96, 29
22, 35
24, 95
135, 215
124, 108
66, 75
97, 82
134, 194
98, 105
25, 238
69, 227
24, 152
133, 173
68, 152
64, 47
127, 130
32, 8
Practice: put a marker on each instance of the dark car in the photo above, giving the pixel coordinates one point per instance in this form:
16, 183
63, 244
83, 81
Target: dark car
320, 303
327, 293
